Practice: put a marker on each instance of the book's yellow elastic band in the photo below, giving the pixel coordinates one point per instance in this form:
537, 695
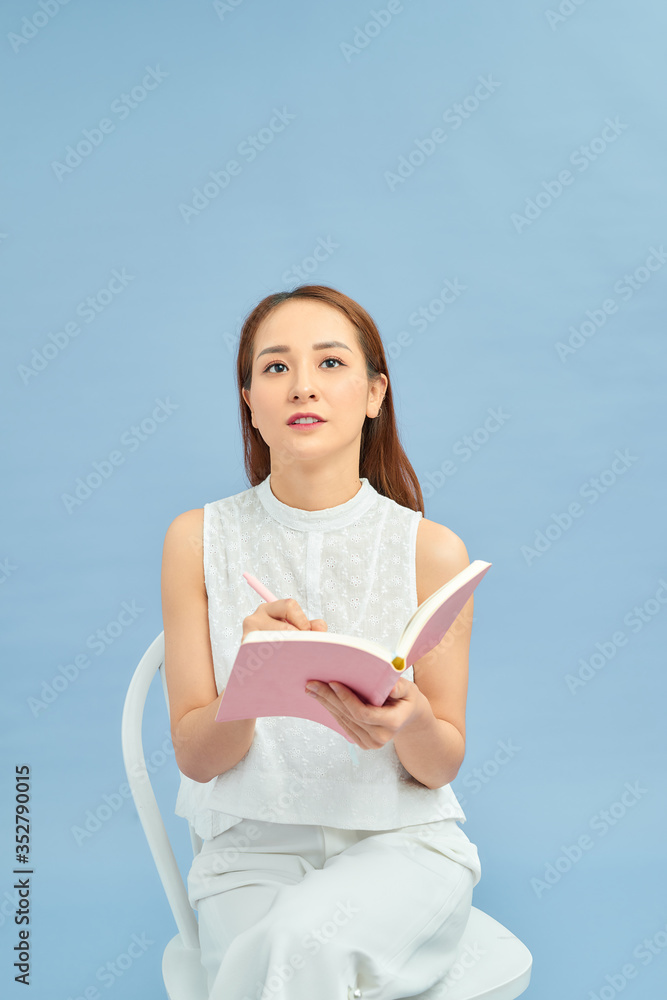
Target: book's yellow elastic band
399, 662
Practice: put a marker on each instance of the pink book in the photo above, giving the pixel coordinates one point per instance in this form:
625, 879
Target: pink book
272, 668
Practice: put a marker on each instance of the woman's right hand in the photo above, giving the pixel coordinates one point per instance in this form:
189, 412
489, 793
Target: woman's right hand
281, 615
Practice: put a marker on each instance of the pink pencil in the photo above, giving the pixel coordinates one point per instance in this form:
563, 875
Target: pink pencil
265, 594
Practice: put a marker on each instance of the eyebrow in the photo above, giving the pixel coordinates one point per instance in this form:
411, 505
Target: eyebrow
323, 345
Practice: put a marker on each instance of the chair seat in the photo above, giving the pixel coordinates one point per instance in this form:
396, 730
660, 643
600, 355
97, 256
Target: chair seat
183, 974
490, 964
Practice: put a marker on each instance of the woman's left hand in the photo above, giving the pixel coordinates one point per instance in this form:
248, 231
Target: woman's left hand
371, 726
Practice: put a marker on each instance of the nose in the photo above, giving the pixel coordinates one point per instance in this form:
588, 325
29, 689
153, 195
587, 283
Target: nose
302, 384
304, 394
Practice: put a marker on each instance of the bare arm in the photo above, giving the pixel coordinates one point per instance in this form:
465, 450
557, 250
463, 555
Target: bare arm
432, 745
204, 748
430, 749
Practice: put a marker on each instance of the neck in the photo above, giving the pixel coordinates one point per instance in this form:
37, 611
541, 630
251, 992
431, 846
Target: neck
313, 493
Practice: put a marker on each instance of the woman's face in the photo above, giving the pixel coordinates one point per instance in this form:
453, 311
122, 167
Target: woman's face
292, 373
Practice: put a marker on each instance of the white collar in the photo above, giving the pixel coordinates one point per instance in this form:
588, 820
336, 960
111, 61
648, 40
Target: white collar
328, 519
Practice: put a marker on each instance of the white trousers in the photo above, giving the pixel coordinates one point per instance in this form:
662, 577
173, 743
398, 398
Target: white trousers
296, 912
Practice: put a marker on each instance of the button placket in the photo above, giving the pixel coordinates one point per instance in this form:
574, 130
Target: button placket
313, 564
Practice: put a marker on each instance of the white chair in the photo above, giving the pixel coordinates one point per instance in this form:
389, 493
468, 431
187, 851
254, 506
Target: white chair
491, 963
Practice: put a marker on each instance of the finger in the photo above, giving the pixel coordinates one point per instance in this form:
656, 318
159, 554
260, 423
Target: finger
352, 703
285, 614
366, 717
289, 610
356, 712
366, 724
355, 732
327, 697
399, 689
276, 624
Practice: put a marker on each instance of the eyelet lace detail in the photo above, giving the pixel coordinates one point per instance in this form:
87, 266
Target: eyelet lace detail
354, 566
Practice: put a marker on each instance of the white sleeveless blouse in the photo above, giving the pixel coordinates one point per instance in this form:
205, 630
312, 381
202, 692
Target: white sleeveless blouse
354, 565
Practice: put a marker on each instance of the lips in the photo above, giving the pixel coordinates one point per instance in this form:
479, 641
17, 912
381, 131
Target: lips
297, 416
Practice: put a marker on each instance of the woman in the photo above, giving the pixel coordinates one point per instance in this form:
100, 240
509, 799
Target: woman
320, 875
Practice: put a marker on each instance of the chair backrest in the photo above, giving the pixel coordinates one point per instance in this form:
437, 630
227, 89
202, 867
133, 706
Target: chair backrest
139, 781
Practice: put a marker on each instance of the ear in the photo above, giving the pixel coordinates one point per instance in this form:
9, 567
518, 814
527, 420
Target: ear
377, 393
244, 393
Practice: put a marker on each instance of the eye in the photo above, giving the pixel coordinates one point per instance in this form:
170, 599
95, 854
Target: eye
274, 363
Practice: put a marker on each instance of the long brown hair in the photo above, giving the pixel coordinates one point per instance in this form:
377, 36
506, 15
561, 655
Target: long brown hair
382, 459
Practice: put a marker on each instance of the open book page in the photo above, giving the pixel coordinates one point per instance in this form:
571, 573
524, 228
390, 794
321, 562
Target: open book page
435, 616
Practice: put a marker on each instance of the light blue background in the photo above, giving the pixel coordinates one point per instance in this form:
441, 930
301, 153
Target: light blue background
171, 333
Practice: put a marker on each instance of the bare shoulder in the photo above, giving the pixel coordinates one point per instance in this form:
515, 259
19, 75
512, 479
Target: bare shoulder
441, 554
182, 554
187, 530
